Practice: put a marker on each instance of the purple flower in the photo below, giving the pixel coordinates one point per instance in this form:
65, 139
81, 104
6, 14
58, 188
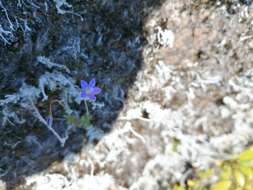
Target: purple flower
49, 120
89, 90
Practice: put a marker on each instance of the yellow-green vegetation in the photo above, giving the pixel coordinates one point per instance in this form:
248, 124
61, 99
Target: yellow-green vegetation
84, 121
233, 174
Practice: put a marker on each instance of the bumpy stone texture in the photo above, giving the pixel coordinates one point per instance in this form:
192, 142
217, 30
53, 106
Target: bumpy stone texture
191, 102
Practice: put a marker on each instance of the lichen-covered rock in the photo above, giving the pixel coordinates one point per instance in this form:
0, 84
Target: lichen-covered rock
183, 72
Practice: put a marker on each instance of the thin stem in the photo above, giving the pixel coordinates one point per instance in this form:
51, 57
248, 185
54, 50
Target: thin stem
48, 125
50, 106
86, 107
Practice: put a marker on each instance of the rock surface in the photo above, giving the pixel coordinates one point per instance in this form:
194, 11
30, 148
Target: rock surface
177, 80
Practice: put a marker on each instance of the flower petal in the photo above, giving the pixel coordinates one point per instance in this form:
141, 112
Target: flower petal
92, 97
84, 84
92, 83
96, 90
50, 120
84, 95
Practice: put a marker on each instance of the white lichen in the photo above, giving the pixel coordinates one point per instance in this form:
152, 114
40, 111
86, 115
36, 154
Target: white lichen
49, 64
27, 97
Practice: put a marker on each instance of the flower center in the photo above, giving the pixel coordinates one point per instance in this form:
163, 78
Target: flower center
87, 90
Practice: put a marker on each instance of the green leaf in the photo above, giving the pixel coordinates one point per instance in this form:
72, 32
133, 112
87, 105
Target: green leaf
73, 120
86, 120
247, 163
206, 173
247, 171
192, 183
222, 185
178, 187
175, 143
240, 179
248, 186
246, 155
226, 173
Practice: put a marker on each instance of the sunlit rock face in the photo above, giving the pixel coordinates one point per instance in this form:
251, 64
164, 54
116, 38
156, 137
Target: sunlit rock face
193, 88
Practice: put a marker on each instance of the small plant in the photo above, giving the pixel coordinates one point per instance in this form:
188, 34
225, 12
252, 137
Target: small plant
88, 93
